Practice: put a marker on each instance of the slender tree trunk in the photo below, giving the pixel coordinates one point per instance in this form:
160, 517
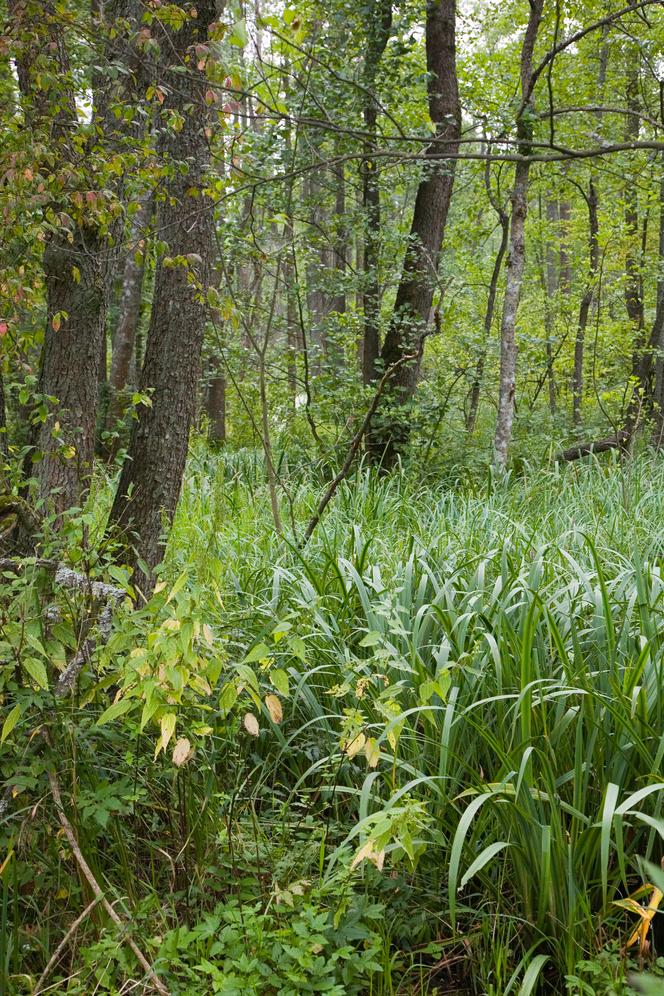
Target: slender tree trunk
379, 24
658, 329
4, 448
517, 252
338, 298
151, 477
216, 403
130, 300
412, 309
473, 407
552, 278
586, 303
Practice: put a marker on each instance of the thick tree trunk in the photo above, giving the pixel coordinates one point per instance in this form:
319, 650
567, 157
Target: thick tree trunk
70, 365
151, 477
517, 252
586, 303
76, 261
412, 309
379, 24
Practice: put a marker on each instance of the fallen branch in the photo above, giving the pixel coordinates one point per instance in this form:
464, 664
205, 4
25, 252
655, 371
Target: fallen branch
617, 442
355, 444
62, 945
96, 889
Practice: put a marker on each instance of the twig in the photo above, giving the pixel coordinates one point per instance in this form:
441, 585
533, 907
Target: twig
94, 885
355, 445
62, 945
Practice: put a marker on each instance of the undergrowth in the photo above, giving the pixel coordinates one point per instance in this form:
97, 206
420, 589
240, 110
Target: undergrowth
422, 754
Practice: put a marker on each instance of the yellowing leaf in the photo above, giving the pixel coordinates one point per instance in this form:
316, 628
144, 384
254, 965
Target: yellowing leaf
354, 746
274, 708
251, 724
208, 635
182, 752
372, 752
168, 721
368, 853
10, 722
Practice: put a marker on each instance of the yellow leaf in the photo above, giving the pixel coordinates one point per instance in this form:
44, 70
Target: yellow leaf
208, 635
274, 708
372, 752
182, 752
251, 724
168, 721
354, 746
368, 853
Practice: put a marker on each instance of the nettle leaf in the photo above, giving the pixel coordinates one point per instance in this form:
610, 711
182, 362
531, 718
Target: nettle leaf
115, 710
10, 722
37, 671
279, 679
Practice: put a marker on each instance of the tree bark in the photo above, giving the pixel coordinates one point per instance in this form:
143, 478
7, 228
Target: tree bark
151, 477
412, 309
379, 24
517, 251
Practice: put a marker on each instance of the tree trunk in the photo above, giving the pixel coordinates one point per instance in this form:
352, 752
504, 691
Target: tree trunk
124, 338
412, 308
4, 447
151, 477
657, 337
517, 251
379, 24
216, 403
504, 220
586, 303
552, 279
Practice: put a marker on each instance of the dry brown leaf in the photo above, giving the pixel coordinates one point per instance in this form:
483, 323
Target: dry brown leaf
251, 724
274, 708
182, 752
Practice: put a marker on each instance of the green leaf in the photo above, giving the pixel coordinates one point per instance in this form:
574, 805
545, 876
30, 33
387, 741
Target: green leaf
279, 679
37, 671
483, 859
257, 653
228, 697
118, 708
10, 722
371, 639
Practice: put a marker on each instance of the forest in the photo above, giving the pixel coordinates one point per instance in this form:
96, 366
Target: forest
332, 497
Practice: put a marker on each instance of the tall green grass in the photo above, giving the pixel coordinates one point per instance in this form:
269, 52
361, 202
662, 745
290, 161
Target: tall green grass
538, 603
